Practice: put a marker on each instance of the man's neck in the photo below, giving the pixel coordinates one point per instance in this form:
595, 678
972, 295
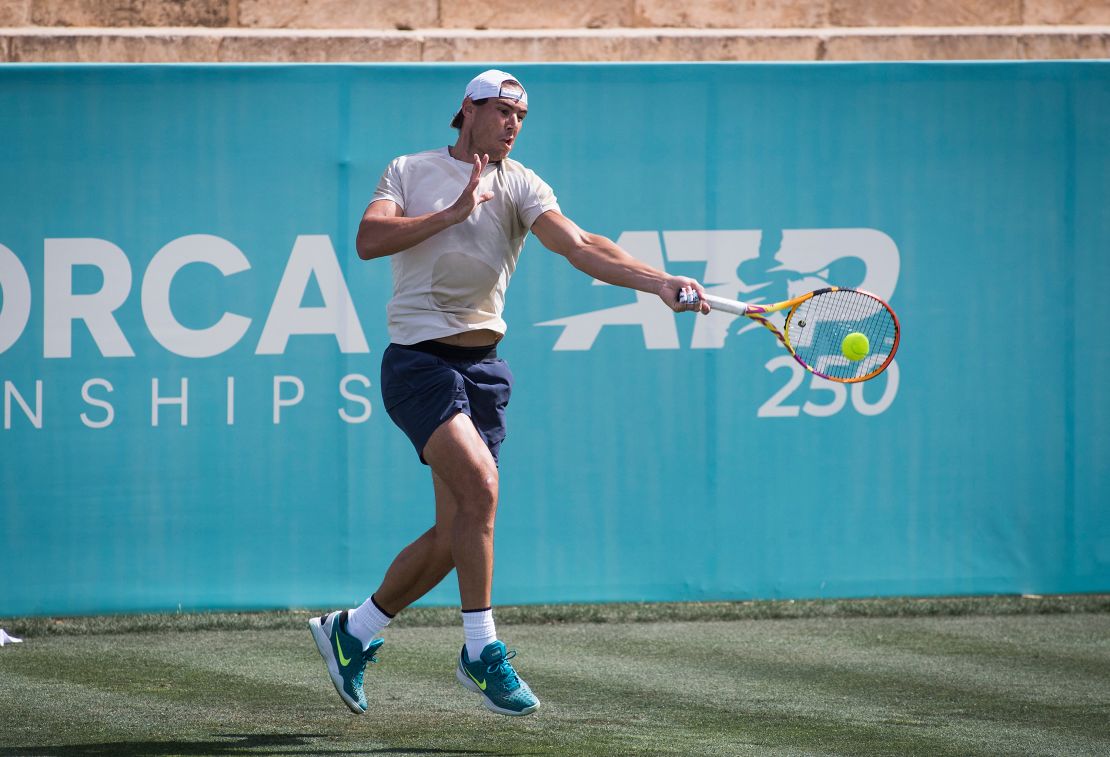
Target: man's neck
465, 151
461, 151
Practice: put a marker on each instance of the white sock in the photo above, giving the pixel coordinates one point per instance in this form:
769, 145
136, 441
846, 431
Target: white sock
479, 631
367, 621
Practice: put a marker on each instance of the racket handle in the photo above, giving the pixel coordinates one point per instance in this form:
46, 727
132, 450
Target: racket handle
718, 303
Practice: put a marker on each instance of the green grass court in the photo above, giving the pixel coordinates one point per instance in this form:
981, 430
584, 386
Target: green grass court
931, 677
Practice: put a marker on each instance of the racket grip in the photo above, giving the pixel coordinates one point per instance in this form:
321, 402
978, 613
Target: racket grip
718, 303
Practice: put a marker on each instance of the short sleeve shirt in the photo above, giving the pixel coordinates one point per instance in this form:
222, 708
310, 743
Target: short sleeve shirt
455, 280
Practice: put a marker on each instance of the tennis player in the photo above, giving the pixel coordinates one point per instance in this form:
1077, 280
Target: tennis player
454, 221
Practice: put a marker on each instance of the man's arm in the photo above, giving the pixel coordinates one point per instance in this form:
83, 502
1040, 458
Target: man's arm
601, 258
383, 230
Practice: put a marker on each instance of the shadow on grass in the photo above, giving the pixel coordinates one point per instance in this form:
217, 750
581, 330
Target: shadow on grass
237, 744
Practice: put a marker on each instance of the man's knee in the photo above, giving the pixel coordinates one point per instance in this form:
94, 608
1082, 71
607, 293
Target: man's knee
478, 499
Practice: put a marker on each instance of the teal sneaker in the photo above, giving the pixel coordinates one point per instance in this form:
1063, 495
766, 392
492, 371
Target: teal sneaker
344, 657
493, 677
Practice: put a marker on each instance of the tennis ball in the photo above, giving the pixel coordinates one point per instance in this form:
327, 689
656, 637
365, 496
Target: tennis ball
855, 346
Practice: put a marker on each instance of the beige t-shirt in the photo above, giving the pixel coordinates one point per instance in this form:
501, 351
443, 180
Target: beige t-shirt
455, 280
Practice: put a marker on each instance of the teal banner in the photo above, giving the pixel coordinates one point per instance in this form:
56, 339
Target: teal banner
190, 348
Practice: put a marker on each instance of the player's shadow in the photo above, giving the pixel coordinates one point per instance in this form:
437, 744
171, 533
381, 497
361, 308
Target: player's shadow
230, 744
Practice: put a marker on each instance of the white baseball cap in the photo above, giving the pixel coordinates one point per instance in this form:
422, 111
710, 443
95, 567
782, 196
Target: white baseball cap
491, 83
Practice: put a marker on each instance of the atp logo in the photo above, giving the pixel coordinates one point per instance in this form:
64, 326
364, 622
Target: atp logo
756, 266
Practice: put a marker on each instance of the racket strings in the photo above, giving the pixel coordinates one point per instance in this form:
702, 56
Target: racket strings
817, 327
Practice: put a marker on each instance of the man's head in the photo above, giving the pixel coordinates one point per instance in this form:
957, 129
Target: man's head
492, 111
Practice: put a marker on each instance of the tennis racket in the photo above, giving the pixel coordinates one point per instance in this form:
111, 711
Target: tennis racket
818, 325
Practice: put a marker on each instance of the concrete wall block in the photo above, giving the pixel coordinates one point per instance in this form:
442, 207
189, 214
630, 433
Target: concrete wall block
15, 12
339, 14
619, 47
534, 14
922, 47
726, 47
319, 48
746, 14
924, 12
1065, 46
113, 48
130, 13
1067, 12
517, 48
59, 45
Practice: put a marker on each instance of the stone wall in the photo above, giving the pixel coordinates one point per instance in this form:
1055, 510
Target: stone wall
552, 30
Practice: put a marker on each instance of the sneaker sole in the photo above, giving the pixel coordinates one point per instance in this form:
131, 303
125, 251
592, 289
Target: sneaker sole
464, 679
323, 645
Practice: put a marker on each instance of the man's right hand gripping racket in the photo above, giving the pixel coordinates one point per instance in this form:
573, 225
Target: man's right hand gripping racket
844, 335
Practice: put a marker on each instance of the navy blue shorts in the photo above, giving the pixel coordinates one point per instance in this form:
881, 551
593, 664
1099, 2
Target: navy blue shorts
425, 384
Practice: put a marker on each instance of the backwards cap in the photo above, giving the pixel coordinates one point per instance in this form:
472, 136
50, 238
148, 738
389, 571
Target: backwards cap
491, 83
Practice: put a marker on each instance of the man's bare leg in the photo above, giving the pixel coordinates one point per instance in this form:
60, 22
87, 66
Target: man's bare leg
423, 564
462, 462
466, 484
465, 480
